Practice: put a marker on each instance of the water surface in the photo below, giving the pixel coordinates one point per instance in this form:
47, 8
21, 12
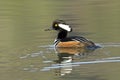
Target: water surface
27, 51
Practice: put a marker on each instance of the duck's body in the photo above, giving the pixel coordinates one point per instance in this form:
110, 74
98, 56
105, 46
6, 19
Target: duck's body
74, 41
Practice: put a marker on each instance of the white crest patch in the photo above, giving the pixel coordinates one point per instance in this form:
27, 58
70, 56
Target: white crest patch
65, 27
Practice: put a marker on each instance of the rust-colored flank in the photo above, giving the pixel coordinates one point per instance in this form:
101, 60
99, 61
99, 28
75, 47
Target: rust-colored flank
71, 44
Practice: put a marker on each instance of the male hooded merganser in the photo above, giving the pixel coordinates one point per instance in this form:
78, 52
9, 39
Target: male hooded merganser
72, 42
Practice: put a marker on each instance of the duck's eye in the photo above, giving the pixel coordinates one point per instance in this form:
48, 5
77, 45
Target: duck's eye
56, 25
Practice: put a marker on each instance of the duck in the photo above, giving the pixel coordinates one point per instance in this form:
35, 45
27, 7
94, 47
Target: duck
63, 41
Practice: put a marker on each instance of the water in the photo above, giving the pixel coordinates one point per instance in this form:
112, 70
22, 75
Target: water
27, 51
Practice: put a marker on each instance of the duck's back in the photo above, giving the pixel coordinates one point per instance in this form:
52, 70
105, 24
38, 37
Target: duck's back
74, 41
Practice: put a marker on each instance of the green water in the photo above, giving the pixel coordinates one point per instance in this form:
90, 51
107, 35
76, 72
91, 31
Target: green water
26, 51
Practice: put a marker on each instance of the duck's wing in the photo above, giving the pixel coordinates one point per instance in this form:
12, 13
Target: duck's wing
78, 38
75, 38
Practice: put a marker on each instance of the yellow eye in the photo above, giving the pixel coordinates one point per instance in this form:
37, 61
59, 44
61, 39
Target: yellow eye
56, 25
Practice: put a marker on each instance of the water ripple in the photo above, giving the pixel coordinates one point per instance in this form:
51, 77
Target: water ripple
110, 44
55, 66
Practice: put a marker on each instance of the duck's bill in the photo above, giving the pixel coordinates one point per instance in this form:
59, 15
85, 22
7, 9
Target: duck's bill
48, 29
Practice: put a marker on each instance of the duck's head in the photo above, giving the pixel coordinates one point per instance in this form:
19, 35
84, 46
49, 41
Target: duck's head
60, 25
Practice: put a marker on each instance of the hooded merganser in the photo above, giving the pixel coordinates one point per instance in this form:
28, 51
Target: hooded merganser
63, 41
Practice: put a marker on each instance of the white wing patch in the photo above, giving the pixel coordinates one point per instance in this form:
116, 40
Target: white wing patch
75, 40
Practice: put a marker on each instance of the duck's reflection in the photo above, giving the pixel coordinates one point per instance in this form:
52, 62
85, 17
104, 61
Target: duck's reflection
66, 56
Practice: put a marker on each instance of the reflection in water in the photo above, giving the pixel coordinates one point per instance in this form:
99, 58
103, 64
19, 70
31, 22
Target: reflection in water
66, 56
67, 59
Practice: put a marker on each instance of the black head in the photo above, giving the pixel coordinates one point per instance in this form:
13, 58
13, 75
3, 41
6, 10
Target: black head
61, 25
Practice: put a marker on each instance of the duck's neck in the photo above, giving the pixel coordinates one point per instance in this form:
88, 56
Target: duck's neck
62, 35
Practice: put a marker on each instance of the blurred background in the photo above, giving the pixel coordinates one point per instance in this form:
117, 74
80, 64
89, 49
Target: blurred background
22, 25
